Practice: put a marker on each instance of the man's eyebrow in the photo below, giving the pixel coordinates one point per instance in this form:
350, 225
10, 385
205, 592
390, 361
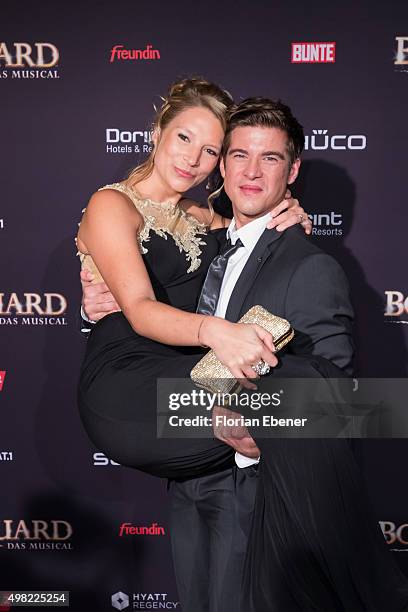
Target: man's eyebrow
231, 151
276, 153
264, 153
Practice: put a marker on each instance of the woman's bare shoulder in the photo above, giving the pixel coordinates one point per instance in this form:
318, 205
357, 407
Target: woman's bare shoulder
111, 201
107, 208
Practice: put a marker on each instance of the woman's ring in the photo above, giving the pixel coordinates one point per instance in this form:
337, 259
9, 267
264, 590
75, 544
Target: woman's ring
261, 368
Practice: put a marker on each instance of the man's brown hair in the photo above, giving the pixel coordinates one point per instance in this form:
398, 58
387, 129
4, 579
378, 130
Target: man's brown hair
263, 112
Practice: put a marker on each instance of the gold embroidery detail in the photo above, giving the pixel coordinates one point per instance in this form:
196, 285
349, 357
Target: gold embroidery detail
167, 219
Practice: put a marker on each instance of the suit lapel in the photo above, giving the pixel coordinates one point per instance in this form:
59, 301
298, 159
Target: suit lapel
251, 270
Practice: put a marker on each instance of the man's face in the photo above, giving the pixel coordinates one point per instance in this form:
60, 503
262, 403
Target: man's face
256, 171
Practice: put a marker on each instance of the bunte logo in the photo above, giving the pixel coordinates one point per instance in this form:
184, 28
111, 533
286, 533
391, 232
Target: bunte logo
313, 52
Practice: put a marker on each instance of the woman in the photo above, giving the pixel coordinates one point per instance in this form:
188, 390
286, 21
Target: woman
153, 249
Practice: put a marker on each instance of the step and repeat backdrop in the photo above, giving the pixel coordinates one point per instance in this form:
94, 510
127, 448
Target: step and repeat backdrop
77, 90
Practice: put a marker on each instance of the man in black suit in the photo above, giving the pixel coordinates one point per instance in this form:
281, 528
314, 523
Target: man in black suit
290, 277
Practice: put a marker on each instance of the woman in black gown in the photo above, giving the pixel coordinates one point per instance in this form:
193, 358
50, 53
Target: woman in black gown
296, 559
154, 257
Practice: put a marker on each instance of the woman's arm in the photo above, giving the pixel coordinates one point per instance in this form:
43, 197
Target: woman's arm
289, 212
108, 232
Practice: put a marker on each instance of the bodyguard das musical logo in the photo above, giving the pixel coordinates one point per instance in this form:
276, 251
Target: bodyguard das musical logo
396, 307
401, 55
33, 309
22, 60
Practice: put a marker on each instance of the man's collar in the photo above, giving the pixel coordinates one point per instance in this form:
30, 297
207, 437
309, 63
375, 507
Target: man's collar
250, 233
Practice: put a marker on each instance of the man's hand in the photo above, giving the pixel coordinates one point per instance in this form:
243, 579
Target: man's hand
236, 435
97, 300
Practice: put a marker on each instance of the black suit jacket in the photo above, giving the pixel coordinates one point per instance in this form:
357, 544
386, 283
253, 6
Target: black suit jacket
291, 277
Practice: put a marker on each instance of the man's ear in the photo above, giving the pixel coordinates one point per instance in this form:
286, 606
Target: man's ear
222, 167
294, 171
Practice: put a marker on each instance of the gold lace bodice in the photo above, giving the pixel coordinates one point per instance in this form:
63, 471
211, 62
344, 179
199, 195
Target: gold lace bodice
165, 219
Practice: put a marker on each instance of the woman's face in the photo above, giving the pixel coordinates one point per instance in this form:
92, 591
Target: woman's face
188, 149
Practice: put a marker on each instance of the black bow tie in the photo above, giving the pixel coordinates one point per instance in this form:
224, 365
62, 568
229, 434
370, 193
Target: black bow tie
210, 293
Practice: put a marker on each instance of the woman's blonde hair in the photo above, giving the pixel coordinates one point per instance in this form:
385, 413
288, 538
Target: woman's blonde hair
182, 95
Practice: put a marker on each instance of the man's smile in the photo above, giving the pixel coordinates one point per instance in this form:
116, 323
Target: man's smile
250, 189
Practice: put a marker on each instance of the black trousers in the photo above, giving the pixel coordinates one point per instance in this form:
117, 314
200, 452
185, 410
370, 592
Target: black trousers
210, 524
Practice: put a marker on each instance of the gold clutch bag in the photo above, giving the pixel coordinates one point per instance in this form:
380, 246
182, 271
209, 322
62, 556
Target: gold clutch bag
210, 374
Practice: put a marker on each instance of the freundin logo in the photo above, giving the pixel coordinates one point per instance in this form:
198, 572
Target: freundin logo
128, 529
29, 61
2, 377
119, 53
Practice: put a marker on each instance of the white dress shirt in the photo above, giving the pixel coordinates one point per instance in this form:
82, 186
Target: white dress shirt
249, 235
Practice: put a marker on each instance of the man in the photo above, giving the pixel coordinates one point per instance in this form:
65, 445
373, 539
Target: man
291, 278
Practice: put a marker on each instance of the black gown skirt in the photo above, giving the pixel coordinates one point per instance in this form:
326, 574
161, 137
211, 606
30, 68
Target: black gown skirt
314, 545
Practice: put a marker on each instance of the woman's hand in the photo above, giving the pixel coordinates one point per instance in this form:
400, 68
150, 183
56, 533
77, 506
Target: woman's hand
288, 213
239, 346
